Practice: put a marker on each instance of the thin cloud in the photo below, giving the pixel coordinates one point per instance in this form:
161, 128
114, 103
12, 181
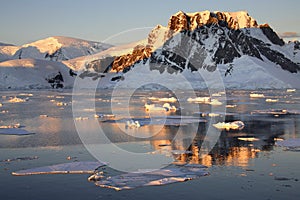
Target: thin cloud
289, 34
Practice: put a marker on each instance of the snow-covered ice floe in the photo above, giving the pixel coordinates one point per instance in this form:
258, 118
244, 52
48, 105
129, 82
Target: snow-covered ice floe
20, 159
205, 100
276, 112
168, 175
168, 121
64, 168
14, 131
166, 107
17, 100
248, 139
235, 125
255, 95
290, 144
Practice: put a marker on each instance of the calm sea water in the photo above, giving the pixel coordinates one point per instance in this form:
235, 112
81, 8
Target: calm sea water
238, 169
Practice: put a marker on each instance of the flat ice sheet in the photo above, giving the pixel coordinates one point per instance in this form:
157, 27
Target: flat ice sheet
64, 168
155, 178
14, 131
293, 143
168, 121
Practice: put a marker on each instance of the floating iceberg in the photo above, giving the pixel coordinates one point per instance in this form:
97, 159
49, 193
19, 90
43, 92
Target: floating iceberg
64, 168
14, 131
159, 177
236, 125
153, 107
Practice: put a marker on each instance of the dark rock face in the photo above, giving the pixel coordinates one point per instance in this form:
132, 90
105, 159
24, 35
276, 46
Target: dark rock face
56, 56
218, 37
271, 35
55, 80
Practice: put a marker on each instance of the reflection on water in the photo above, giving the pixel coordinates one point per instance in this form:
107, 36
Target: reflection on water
235, 148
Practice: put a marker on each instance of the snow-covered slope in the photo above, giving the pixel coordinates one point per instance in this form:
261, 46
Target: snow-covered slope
99, 61
34, 74
59, 48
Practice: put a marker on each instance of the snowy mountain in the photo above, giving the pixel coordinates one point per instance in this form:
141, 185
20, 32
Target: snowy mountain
39, 64
247, 55
56, 48
34, 74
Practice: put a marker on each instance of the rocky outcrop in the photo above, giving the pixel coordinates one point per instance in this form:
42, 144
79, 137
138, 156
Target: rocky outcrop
221, 37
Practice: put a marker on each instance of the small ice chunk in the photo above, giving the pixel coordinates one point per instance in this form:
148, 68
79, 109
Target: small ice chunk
26, 94
11, 126
235, 125
199, 99
168, 107
17, 100
132, 124
1, 104
20, 158
64, 168
61, 104
14, 131
171, 99
255, 95
230, 106
168, 175
152, 107
248, 139
291, 90
81, 118
43, 116
272, 100
215, 102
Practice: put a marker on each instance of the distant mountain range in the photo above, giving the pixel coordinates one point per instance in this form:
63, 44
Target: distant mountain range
247, 56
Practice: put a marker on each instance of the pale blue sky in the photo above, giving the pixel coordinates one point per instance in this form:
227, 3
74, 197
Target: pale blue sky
24, 21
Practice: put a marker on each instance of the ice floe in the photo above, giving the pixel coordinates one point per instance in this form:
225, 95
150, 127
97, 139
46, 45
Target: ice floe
64, 168
272, 100
291, 144
276, 112
168, 121
205, 100
235, 125
255, 95
248, 139
168, 175
17, 100
105, 116
165, 107
20, 158
171, 99
291, 90
132, 124
10, 126
14, 131
199, 100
